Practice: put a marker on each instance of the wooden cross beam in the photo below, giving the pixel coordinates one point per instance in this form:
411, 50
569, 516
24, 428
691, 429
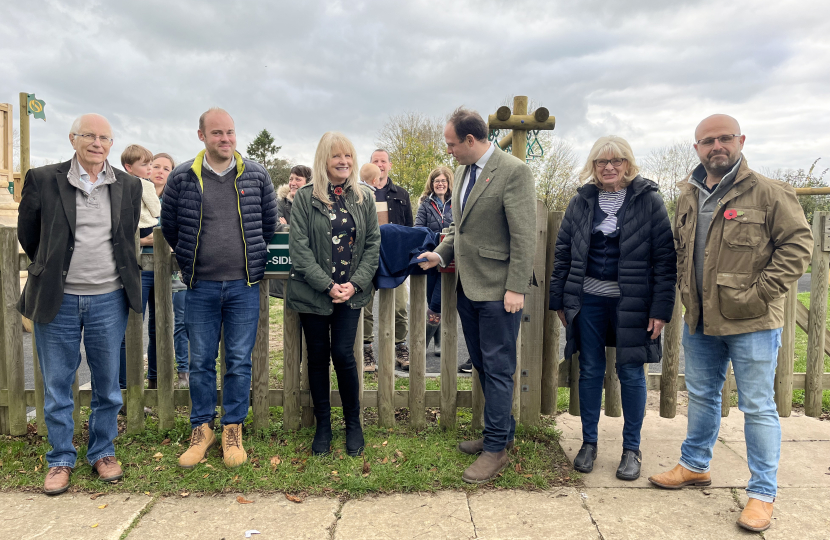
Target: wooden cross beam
519, 121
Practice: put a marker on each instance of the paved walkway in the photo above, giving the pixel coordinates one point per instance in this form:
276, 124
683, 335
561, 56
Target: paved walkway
605, 508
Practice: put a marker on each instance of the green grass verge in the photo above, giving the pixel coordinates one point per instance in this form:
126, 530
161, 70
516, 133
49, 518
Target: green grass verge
801, 358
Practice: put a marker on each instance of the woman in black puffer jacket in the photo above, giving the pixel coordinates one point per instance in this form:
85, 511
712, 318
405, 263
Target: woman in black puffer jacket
435, 212
613, 285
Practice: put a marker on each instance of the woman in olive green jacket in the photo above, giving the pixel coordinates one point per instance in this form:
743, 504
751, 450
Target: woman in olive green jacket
334, 243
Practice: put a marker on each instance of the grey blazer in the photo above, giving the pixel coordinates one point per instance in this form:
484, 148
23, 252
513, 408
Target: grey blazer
493, 240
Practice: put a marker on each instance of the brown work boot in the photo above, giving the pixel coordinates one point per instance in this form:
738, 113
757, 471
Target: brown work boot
402, 356
57, 480
756, 515
486, 467
369, 364
477, 446
232, 449
680, 477
183, 380
108, 469
201, 440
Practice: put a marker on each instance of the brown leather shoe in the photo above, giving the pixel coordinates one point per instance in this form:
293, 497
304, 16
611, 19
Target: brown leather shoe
234, 453
756, 515
202, 439
477, 446
486, 467
108, 469
680, 477
57, 480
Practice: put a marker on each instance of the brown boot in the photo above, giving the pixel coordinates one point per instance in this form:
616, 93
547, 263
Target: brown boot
477, 446
201, 440
108, 469
680, 477
57, 480
486, 467
235, 454
402, 356
184, 380
756, 515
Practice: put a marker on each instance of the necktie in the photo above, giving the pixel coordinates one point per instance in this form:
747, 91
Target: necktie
470, 185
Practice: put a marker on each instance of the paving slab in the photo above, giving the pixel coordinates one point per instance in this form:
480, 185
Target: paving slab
800, 513
728, 468
797, 427
223, 516
700, 514
802, 463
610, 428
70, 516
522, 515
444, 515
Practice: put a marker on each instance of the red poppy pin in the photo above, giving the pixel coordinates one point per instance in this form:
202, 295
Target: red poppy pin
338, 191
732, 213
243, 192
487, 180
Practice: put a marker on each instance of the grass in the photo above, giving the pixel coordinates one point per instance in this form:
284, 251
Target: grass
801, 358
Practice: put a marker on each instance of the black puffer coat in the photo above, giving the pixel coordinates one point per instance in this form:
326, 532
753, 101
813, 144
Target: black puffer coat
181, 214
647, 270
429, 216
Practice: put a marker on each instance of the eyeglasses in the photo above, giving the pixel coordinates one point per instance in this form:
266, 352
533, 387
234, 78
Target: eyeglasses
441, 182
601, 163
723, 139
89, 138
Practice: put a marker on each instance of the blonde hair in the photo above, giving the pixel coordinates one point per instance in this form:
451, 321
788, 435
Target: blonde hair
369, 173
135, 153
610, 147
429, 187
329, 143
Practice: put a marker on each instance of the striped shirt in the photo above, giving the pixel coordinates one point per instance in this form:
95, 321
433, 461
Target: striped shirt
610, 202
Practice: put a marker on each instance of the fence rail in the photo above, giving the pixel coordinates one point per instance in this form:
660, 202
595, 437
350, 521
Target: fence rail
539, 374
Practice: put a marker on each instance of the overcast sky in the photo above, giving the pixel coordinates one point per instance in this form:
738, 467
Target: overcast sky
647, 70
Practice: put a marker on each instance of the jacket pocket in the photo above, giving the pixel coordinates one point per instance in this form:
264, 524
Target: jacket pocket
493, 254
35, 269
738, 296
744, 231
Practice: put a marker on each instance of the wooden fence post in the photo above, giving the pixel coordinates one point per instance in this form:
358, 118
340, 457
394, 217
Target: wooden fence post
573, 401
165, 349
786, 355
12, 326
818, 317
386, 358
417, 350
259, 362
613, 396
449, 351
550, 354
292, 357
672, 334
135, 365
533, 327
358, 357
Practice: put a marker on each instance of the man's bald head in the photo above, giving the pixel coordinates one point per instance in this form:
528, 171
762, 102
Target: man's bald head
718, 157
722, 122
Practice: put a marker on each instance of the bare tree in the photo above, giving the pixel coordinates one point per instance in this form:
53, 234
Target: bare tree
556, 172
668, 165
810, 178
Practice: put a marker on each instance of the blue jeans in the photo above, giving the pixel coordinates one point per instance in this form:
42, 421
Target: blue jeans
103, 320
434, 290
147, 296
211, 307
180, 333
491, 333
754, 357
596, 318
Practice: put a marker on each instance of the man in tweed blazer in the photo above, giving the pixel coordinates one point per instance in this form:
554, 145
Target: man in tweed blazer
493, 242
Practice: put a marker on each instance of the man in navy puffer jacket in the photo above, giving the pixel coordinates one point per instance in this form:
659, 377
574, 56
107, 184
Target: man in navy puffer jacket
219, 212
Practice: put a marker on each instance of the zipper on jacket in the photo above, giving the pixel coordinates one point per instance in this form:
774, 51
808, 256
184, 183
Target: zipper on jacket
241, 225
198, 161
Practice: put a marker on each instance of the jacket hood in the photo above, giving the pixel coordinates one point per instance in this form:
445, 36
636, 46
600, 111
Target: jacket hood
283, 192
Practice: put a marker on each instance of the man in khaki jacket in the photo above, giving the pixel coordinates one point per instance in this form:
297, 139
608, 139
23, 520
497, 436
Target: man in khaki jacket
493, 242
742, 240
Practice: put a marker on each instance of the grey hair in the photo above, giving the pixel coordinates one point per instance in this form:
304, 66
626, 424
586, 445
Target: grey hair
204, 115
76, 125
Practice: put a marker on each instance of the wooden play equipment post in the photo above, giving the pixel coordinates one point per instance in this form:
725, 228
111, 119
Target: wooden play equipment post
25, 151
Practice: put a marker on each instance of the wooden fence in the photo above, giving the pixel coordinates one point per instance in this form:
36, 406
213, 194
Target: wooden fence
540, 370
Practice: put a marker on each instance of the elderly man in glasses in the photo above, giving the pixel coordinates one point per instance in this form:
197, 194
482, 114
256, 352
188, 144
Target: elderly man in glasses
77, 222
742, 240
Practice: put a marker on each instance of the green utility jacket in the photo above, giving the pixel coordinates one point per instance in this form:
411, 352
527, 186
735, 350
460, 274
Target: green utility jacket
309, 243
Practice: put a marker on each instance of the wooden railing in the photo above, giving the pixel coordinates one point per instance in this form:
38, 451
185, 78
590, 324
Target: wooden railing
540, 370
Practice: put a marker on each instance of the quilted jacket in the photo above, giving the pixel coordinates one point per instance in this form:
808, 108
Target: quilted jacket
647, 270
181, 214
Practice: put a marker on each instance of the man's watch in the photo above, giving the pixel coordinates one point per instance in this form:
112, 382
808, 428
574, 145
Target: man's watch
357, 289
330, 287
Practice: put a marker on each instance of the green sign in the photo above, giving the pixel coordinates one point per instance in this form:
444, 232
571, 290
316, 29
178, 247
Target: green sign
36, 107
279, 259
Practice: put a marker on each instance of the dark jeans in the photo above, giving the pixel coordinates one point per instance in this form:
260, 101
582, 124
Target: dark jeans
597, 316
213, 306
434, 290
491, 333
341, 325
180, 332
147, 296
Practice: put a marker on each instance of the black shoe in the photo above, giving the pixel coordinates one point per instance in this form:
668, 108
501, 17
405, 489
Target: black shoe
354, 433
629, 468
584, 461
321, 445
466, 367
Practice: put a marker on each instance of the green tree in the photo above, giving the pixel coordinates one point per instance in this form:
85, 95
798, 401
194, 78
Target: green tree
264, 151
